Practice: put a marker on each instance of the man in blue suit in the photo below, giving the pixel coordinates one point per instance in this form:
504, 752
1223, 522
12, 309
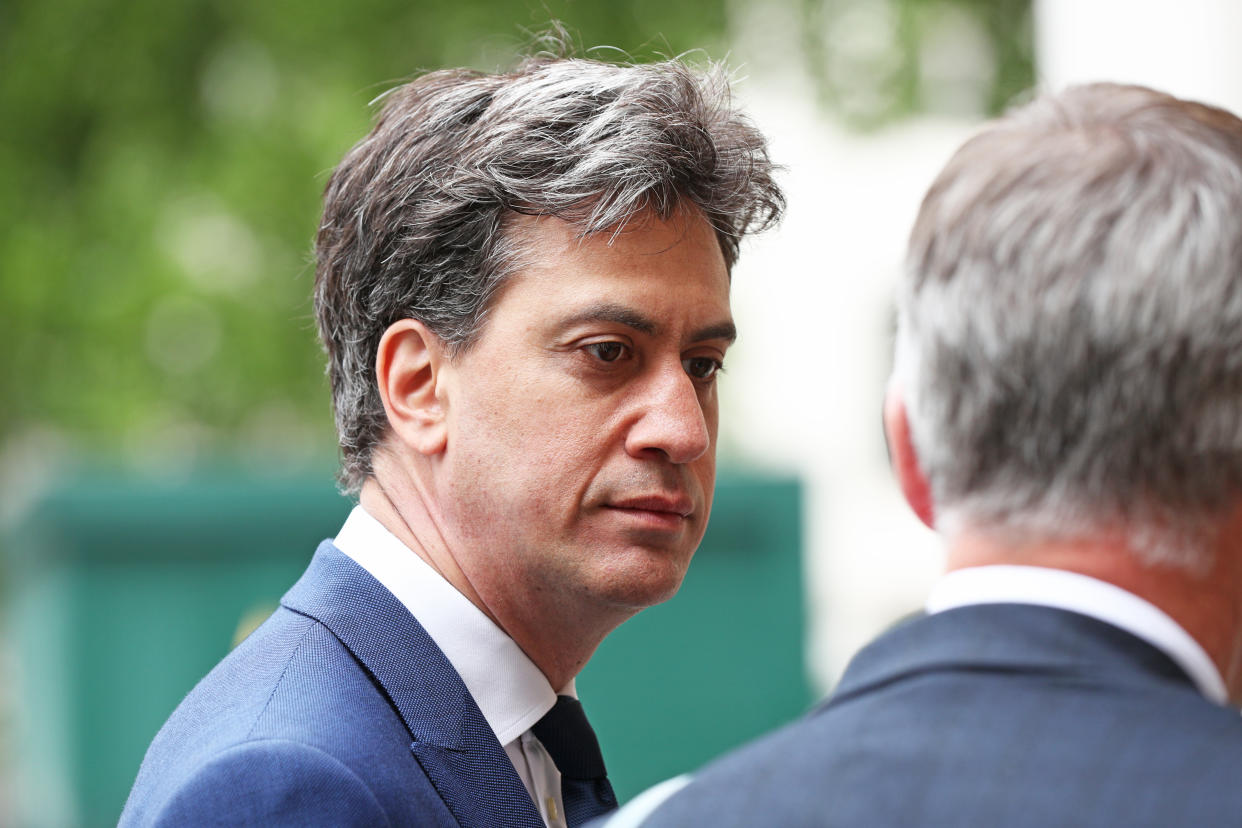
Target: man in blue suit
1066, 411
523, 290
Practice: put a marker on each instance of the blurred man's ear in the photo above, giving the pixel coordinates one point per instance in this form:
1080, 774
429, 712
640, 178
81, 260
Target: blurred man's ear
407, 370
905, 459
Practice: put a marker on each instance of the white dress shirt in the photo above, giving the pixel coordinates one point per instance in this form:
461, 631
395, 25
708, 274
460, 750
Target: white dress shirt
1086, 596
511, 692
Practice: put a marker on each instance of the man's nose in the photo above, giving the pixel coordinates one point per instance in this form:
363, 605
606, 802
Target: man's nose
672, 420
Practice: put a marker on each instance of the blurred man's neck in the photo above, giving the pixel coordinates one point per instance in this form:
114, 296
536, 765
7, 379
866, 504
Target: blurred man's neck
1207, 603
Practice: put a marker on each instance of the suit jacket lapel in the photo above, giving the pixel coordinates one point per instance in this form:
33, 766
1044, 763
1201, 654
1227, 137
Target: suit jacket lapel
1016, 638
452, 740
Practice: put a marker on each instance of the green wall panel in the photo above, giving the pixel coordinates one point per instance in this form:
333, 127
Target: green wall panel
126, 592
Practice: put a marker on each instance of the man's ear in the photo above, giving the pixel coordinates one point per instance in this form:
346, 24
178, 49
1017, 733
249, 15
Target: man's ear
905, 459
407, 371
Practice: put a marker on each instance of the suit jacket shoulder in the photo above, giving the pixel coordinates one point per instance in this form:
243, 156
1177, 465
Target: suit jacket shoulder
339, 709
270, 782
985, 716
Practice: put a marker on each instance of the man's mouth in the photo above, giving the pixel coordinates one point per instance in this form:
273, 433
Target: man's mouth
659, 511
677, 504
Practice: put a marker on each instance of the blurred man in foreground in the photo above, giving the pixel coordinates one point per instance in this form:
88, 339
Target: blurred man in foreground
1066, 411
523, 290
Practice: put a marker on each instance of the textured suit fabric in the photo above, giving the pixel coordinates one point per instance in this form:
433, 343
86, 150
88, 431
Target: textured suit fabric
986, 716
338, 710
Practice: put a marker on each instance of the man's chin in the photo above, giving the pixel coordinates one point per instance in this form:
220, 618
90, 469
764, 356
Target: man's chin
643, 579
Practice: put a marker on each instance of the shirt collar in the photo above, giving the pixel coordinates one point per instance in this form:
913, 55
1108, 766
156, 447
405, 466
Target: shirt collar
511, 692
1084, 595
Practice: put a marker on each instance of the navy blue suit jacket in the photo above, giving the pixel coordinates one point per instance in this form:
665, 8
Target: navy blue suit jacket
338, 710
992, 716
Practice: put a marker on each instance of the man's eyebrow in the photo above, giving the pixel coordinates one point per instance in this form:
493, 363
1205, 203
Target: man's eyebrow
630, 318
611, 312
721, 330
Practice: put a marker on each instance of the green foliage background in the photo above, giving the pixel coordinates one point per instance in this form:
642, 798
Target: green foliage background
162, 163
892, 71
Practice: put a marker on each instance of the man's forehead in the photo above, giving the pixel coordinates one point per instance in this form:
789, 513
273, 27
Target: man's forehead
656, 276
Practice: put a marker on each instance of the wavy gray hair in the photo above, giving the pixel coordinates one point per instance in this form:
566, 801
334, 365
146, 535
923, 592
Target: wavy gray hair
416, 220
1070, 323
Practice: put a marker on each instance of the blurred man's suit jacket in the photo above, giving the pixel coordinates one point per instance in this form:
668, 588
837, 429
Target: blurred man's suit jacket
988, 716
339, 710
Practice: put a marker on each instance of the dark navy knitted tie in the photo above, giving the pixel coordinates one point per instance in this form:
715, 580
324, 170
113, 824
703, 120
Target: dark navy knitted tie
567, 736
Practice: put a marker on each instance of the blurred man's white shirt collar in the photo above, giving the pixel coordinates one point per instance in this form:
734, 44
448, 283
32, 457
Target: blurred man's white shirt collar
1039, 586
511, 692
1057, 588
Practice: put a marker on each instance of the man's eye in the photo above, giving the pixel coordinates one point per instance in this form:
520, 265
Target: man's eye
606, 351
702, 368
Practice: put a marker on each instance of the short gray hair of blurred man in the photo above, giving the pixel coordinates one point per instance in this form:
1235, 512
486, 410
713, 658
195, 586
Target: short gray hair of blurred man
523, 291
1066, 411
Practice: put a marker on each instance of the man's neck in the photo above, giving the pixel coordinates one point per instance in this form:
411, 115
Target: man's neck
556, 638
1207, 605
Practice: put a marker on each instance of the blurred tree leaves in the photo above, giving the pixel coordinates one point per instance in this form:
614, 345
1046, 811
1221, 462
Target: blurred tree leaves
162, 165
878, 60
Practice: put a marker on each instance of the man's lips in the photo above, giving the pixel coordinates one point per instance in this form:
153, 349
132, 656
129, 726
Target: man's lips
680, 505
669, 507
